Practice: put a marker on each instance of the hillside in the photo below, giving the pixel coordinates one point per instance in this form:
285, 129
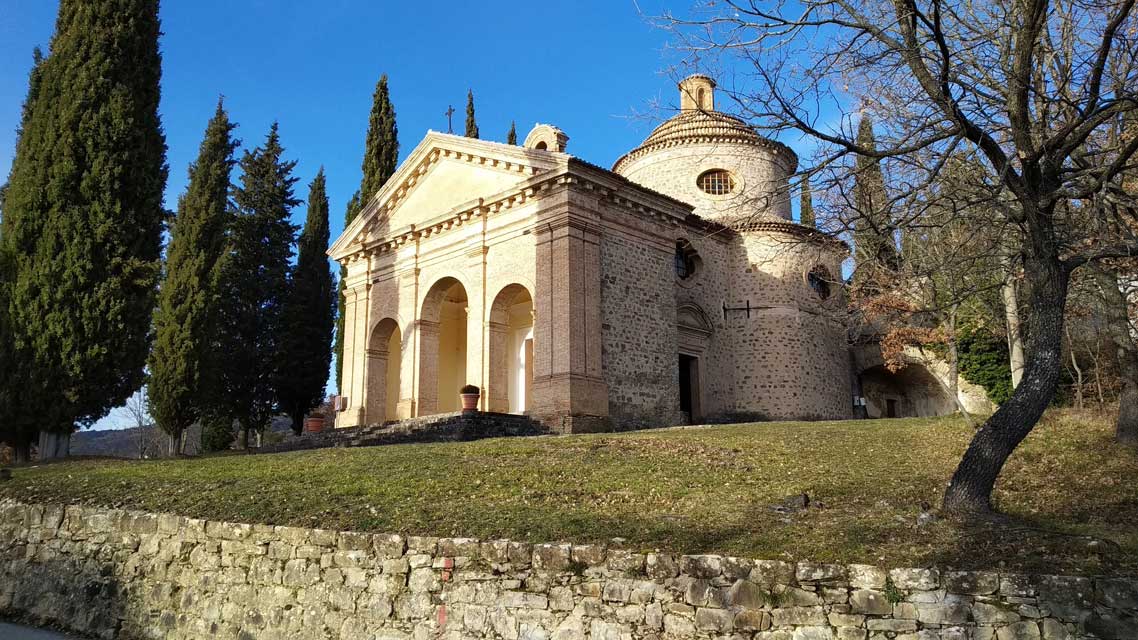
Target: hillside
1069, 489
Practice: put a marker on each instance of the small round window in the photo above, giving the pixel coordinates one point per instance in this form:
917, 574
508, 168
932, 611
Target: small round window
717, 182
820, 280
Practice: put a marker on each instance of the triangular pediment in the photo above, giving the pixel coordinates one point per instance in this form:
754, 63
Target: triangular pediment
443, 173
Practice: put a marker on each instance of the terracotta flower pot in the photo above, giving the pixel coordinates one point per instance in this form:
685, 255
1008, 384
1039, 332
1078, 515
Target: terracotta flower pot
470, 401
314, 424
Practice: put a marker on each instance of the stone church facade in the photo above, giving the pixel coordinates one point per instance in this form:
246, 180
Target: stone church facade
673, 288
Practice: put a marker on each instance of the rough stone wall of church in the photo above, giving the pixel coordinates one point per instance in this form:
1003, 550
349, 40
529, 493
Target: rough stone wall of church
791, 351
708, 288
638, 317
128, 574
760, 174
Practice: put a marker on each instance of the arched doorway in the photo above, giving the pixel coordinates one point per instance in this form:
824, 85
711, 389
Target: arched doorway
693, 332
443, 353
384, 357
510, 378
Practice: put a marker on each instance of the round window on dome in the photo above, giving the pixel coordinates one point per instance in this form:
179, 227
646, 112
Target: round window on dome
716, 182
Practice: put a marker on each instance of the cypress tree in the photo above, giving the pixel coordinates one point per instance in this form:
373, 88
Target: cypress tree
512, 134
18, 418
253, 283
471, 125
875, 249
806, 210
183, 323
84, 214
309, 315
381, 157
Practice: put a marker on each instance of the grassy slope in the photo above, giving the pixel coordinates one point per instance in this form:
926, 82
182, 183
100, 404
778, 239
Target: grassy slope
692, 490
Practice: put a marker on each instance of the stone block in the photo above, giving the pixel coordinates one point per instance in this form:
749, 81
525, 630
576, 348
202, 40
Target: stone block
458, 547
813, 633
1066, 597
753, 620
870, 602
772, 572
1112, 626
591, 555
799, 616
915, 579
892, 626
941, 613
816, 572
660, 566
1117, 593
626, 561
702, 566
1051, 629
846, 620
866, 576
714, 619
1025, 630
994, 613
972, 582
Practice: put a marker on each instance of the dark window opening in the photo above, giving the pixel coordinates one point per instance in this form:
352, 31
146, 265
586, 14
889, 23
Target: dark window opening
685, 259
890, 408
819, 280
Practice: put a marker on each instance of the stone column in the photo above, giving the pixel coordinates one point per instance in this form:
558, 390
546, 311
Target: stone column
376, 410
427, 337
497, 375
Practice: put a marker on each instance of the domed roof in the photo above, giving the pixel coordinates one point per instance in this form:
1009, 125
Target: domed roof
699, 123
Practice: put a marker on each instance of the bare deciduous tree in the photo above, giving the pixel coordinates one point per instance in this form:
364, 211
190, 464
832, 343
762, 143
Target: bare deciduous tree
1039, 90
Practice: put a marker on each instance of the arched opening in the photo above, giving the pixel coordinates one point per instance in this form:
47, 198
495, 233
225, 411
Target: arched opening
443, 353
511, 351
912, 392
541, 146
384, 357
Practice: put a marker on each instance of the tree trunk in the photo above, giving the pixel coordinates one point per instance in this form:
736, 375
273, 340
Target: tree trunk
297, 422
175, 443
22, 452
1011, 316
245, 438
1078, 371
54, 445
970, 490
1118, 327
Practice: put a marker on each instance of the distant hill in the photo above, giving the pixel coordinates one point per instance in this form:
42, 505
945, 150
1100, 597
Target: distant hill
127, 443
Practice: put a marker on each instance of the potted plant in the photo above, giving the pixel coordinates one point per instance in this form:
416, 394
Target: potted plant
314, 423
470, 395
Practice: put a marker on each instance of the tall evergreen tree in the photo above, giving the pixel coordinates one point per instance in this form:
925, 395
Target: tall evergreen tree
471, 125
83, 214
512, 134
806, 210
381, 157
309, 315
875, 249
184, 321
253, 284
18, 418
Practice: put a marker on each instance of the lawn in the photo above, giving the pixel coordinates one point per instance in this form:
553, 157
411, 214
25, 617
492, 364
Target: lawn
1069, 489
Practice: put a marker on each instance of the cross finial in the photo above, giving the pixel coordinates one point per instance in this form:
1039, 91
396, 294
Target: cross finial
450, 112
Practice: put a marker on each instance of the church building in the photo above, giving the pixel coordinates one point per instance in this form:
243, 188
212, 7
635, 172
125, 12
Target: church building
673, 288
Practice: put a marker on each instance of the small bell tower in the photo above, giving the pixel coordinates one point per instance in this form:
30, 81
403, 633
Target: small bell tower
697, 92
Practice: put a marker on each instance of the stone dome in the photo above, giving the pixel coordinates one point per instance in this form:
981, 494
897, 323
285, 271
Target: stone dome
713, 161
696, 126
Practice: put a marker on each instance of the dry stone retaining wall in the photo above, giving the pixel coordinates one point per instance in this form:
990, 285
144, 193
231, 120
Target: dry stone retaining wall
125, 574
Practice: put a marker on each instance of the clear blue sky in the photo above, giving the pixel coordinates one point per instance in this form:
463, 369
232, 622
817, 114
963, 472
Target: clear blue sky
586, 66
312, 65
